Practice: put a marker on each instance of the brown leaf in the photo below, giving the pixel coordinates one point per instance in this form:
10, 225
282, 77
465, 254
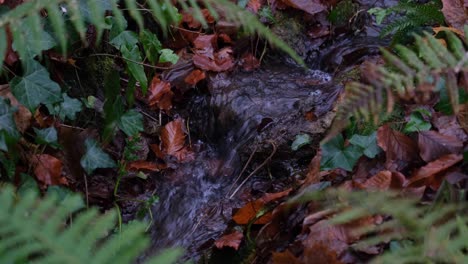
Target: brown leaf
194, 77
218, 62
23, 116
455, 13
454, 30
48, 170
254, 5
173, 140
313, 174
423, 175
397, 146
232, 240
310, 6
285, 257
332, 237
160, 94
433, 145
380, 181
247, 213
249, 62
450, 126
11, 56
145, 165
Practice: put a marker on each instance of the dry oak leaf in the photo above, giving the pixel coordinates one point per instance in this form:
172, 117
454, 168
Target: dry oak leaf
433, 145
232, 240
424, 175
397, 146
455, 13
194, 77
48, 170
310, 6
247, 213
173, 140
160, 94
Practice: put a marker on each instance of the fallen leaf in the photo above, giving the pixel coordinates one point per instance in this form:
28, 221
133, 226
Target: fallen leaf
249, 62
48, 170
310, 6
455, 13
247, 213
145, 165
232, 240
23, 116
333, 238
285, 257
454, 30
313, 174
194, 77
423, 175
450, 126
207, 59
380, 181
160, 94
433, 145
320, 253
397, 146
173, 140
11, 56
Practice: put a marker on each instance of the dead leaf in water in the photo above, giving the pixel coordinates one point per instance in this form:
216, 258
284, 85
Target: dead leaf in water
173, 140
232, 240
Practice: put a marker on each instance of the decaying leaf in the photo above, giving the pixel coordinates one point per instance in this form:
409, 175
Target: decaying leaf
145, 166
426, 173
207, 59
160, 94
434, 145
48, 170
455, 13
232, 240
397, 146
194, 77
173, 140
285, 257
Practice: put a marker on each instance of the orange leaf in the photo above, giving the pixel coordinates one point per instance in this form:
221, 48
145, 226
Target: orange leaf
195, 76
160, 94
144, 165
173, 140
423, 174
48, 170
232, 240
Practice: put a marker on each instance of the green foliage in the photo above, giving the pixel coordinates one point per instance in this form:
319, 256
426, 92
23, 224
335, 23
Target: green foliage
47, 136
368, 144
8, 131
336, 155
300, 141
342, 13
91, 11
95, 158
420, 233
412, 16
430, 68
418, 121
36, 230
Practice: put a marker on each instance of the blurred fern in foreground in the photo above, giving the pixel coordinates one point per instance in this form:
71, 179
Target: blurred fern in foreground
48, 231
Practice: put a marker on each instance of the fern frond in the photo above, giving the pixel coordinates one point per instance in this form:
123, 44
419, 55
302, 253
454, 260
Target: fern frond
405, 75
92, 11
36, 230
437, 234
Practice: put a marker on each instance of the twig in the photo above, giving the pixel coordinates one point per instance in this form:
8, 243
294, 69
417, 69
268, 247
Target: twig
243, 169
257, 169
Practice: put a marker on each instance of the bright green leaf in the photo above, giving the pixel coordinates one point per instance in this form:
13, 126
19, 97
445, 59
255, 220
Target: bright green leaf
151, 45
379, 14
35, 87
168, 55
135, 69
46, 136
131, 122
417, 122
336, 155
95, 158
300, 141
367, 143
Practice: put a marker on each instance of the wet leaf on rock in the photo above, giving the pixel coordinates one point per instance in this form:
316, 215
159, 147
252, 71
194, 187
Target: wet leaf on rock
160, 94
232, 240
173, 140
433, 145
194, 77
336, 155
95, 158
48, 170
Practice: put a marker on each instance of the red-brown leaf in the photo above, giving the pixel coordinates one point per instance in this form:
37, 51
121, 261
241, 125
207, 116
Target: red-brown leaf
450, 126
194, 77
173, 140
48, 170
455, 13
232, 240
380, 181
433, 145
285, 257
423, 175
310, 6
145, 165
397, 146
218, 62
250, 62
160, 94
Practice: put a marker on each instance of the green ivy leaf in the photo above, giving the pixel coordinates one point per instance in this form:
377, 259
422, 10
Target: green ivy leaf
28, 183
135, 69
336, 155
300, 141
3, 46
367, 143
8, 131
417, 121
35, 87
95, 158
47, 136
168, 55
131, 122
126, 38
69, 107
37, 41
9, 166
151, 45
